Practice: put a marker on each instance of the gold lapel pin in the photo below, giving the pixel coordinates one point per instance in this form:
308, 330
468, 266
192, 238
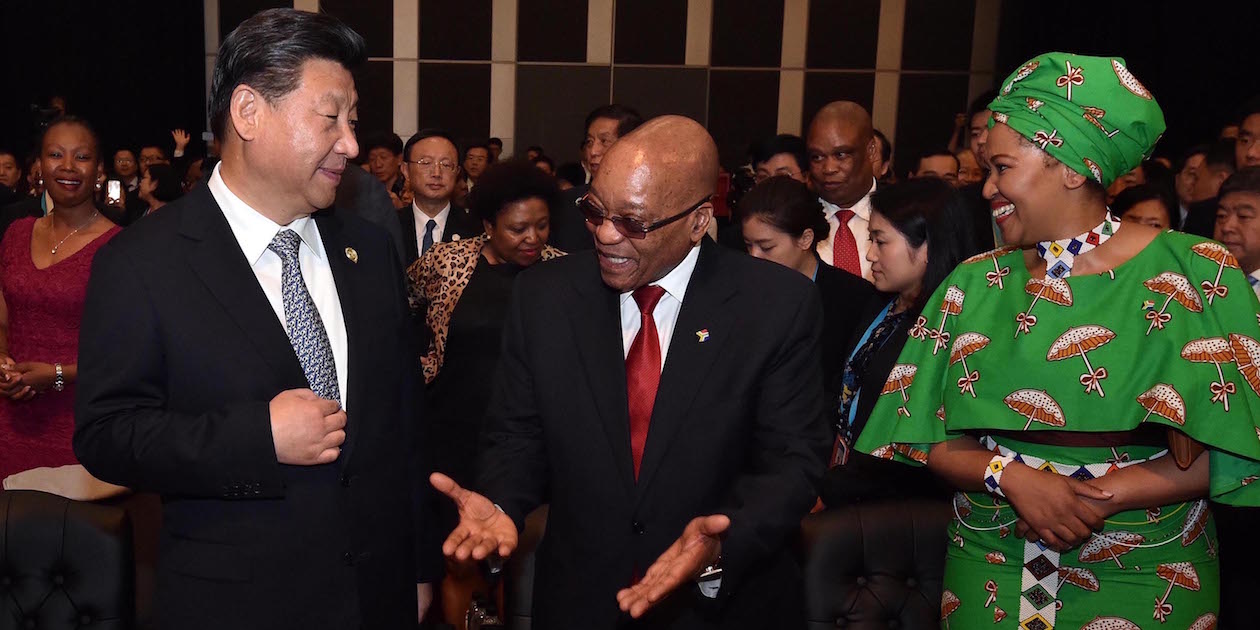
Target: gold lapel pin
352, 255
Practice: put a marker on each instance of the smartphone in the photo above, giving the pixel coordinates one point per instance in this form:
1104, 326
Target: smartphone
113, 192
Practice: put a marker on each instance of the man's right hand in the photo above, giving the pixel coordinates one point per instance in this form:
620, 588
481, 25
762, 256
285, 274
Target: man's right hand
306, 429
483, 528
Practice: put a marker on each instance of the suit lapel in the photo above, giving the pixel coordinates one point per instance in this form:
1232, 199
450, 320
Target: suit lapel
597, 332
690, 357
216, 258
349, 283
407, 219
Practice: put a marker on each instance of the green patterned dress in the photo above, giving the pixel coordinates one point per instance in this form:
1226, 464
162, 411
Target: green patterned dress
1167, 338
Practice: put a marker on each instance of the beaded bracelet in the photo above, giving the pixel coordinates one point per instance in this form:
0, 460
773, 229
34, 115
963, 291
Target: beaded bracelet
993, 473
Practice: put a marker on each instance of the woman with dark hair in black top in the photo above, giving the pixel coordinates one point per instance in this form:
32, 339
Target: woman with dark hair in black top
782, 220
920, 230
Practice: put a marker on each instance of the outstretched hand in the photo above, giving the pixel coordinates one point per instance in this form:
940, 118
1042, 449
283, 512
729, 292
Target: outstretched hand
698, 547
483, 528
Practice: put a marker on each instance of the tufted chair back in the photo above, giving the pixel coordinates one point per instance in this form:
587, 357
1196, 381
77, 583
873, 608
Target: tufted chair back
64, 564
875, 565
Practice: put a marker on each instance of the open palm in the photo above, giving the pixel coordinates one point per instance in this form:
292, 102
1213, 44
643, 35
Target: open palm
483, 528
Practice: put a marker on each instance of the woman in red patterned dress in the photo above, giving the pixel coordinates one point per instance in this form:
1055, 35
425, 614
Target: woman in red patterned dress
44, 267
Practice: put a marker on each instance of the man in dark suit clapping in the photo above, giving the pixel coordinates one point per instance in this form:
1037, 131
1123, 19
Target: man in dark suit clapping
664, 395
240, 355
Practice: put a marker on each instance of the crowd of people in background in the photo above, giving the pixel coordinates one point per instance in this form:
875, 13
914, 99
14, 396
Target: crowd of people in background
878, 235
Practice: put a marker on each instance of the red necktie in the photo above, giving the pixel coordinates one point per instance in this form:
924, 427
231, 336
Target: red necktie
844, 251
643, 371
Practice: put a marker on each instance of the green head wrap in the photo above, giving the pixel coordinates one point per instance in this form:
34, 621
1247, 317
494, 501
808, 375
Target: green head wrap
1088, 112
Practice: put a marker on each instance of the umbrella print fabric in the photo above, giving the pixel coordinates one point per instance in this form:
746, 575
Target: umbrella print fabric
1054, 290
1082, 354
1216, 351
899, 379
1077, 342
1037, 406
951, 305
1178, 574
1000, 271
1164, 401
1216, 253
966, 345
1178, 289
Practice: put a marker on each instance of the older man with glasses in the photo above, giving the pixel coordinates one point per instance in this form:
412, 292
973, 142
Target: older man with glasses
663, 395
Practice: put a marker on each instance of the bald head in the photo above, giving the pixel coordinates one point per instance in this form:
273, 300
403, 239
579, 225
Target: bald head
660, 176
845, 113
674, 152
842, 149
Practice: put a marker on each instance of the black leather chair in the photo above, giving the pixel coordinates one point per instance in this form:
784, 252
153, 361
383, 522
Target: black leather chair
875, 565
64, 564
868, 565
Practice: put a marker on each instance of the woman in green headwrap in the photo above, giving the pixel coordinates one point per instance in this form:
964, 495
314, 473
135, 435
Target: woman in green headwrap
1085, 389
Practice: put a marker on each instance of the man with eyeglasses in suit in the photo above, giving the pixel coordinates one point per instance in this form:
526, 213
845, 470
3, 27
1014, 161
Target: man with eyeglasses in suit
431, 164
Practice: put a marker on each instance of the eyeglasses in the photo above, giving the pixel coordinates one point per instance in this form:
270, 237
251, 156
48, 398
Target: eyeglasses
630, 228
446, 165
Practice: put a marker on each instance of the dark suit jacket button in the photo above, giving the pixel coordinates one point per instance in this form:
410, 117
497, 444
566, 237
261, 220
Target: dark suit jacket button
893, 623
861, 581
59, 579
29, 623
637, 527
345, 480
911, 582
348, 558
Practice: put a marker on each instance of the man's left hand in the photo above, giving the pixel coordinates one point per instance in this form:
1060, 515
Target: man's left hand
698, 547
424, 600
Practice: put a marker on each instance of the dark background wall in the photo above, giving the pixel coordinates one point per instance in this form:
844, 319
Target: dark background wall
136, 68
1199, 59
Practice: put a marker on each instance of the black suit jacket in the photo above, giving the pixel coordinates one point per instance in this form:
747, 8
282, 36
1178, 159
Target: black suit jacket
460, 222
568, 227
1201, 218
363, 195
180, 353
845, 300
866, 478
737, 429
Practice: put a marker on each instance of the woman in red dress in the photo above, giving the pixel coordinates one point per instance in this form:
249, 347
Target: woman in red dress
44, 267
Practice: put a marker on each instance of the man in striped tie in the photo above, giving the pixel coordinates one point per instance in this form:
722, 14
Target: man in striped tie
664, 395
244, 354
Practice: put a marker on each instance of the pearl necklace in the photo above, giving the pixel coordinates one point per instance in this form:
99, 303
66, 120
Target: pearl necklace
89, 220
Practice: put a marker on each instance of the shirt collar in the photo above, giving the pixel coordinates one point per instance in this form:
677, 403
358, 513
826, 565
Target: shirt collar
675, 282
422, 218
252, 230
862, 208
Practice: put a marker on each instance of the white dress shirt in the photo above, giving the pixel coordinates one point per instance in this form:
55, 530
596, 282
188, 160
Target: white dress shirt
665, 315
422, 220
253, 233
859, 224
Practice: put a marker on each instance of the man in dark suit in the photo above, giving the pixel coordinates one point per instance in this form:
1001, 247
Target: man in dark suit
604, 126
362, 195
431, 164
664, 395
241, 356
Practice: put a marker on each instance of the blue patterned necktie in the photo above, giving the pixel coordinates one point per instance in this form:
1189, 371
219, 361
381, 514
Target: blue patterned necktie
302, 320
428, 236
